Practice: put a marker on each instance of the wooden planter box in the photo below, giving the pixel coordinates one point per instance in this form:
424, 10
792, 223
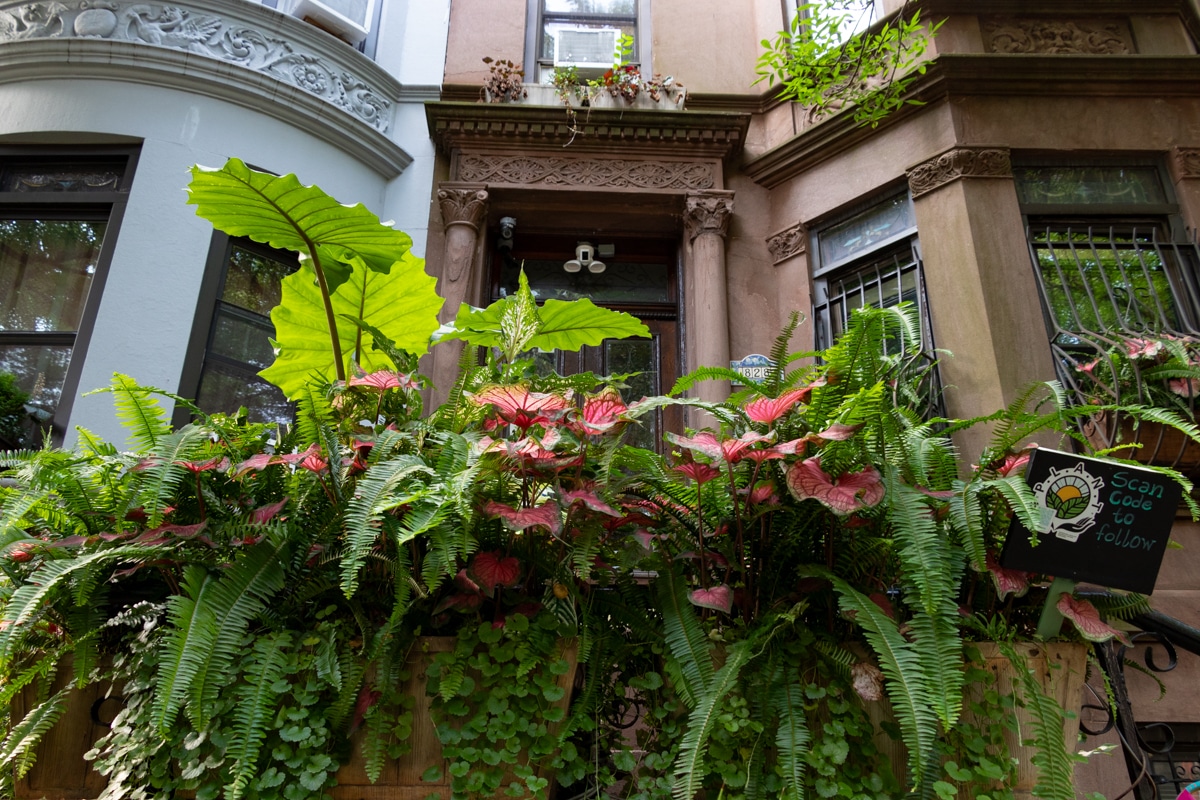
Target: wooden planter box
1161, 445
1060, 669
61, 773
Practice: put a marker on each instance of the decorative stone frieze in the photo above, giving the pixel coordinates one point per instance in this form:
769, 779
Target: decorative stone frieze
787, 243
237, 33
1187, 162
961, 162
1080, 36
595, 172
708, 213
462, 205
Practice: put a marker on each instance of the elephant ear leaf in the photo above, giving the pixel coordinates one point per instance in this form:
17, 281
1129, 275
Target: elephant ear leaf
279, 211
402, 304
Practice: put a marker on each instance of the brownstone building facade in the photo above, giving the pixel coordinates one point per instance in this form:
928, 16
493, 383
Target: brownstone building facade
715, 222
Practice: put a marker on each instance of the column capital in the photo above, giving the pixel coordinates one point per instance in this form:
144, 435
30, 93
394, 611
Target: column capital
960, 162
1187, 161
791, 241
707, 212
462, 203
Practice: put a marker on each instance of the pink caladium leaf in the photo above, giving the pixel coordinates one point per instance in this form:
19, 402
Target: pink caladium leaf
313, 451
1015, 462
69, 541
843, 495
645, 538
459, 602
868, 681
264, 514
255, 463
885, 605
517, 405
1087, 620
464, 582
366, 698
768, 409
589, 499
1008, 581
491, 569
547, 516
839, 432
704, 443
700, 473
220, 462
384, 379
601, 412
718, 598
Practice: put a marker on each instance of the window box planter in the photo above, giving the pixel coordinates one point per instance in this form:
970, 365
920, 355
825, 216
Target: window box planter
1147, 442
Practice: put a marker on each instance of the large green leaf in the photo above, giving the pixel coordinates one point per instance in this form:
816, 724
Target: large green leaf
566, 325
285, 214
403, 304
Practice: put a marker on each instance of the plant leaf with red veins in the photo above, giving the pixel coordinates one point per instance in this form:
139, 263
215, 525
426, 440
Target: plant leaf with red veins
838, 432
492, 569
849, 492
459, 602
700, 473
384, 379
704, 442
263, 515
718, 598
518, 406
547, 515
1007, 580
601, 412
589, 499
1087, 620
769, 409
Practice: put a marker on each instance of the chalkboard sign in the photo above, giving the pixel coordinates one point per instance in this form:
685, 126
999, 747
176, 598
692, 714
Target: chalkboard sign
1102, 522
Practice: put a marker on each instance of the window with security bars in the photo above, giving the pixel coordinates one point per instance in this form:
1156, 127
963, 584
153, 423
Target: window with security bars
871, 258
1173, 753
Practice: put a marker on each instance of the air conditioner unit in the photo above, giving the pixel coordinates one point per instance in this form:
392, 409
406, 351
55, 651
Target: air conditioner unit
585, 48
349, 20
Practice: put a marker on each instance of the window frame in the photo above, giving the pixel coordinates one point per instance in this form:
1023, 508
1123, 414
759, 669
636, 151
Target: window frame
535, 65
108, 206
199, 350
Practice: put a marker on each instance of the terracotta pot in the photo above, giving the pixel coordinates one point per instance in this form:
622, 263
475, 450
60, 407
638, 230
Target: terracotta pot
1161, 445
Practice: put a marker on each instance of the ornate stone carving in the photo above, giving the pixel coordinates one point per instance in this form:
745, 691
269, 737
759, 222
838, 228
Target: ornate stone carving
787, 243
612, 172
462, 205
1187, 162
708, 213
962, 162
1092, 37
195, 31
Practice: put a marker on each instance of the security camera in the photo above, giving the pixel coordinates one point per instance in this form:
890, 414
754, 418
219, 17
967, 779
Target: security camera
507, 225
583, 252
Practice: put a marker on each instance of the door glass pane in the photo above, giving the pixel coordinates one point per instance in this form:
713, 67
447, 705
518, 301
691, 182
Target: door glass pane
253, 281
46, 269
623, 356
225, 388
244, 338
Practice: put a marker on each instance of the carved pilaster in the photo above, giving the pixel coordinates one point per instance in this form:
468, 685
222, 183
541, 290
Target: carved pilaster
462, 204
961, 162
787, 243
1187, 162
708, 213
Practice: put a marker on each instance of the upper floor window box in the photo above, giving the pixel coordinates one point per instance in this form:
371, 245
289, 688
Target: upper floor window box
349, 20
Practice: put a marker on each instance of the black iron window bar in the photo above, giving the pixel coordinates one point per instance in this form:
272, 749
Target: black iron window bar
1103, 289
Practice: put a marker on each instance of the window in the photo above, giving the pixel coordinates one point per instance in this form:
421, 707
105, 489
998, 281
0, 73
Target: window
243, 287
59, 213
584, 32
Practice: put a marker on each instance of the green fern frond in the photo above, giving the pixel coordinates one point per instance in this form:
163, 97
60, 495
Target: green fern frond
145, 419
928, 558
966, 523
19, 748
314, 414
939, 649
779, 355
162, 470
374, 496
689, 764
691, 649
791, 737
1122, 606
702, 374
257, 700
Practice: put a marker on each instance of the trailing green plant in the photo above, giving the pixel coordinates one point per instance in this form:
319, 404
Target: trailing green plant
13, 415
828, 60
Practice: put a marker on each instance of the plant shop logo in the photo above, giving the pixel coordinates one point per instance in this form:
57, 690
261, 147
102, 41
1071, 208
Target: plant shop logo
1071, 500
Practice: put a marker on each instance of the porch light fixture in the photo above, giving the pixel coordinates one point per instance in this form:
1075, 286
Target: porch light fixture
585, 257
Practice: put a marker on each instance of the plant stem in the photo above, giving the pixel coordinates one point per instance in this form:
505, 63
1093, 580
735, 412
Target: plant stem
327, 301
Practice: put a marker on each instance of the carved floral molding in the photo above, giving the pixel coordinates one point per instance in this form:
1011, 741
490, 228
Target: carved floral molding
962, 162
1187, 162
787, 243
608, 172
1081, 36
250, 42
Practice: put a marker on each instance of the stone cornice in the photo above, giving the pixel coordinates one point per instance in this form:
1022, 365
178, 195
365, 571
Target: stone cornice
459, 125
964, 75
235, 51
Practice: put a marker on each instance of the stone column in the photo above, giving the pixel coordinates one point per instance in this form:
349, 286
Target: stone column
983, 297
706, 221
464, 209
